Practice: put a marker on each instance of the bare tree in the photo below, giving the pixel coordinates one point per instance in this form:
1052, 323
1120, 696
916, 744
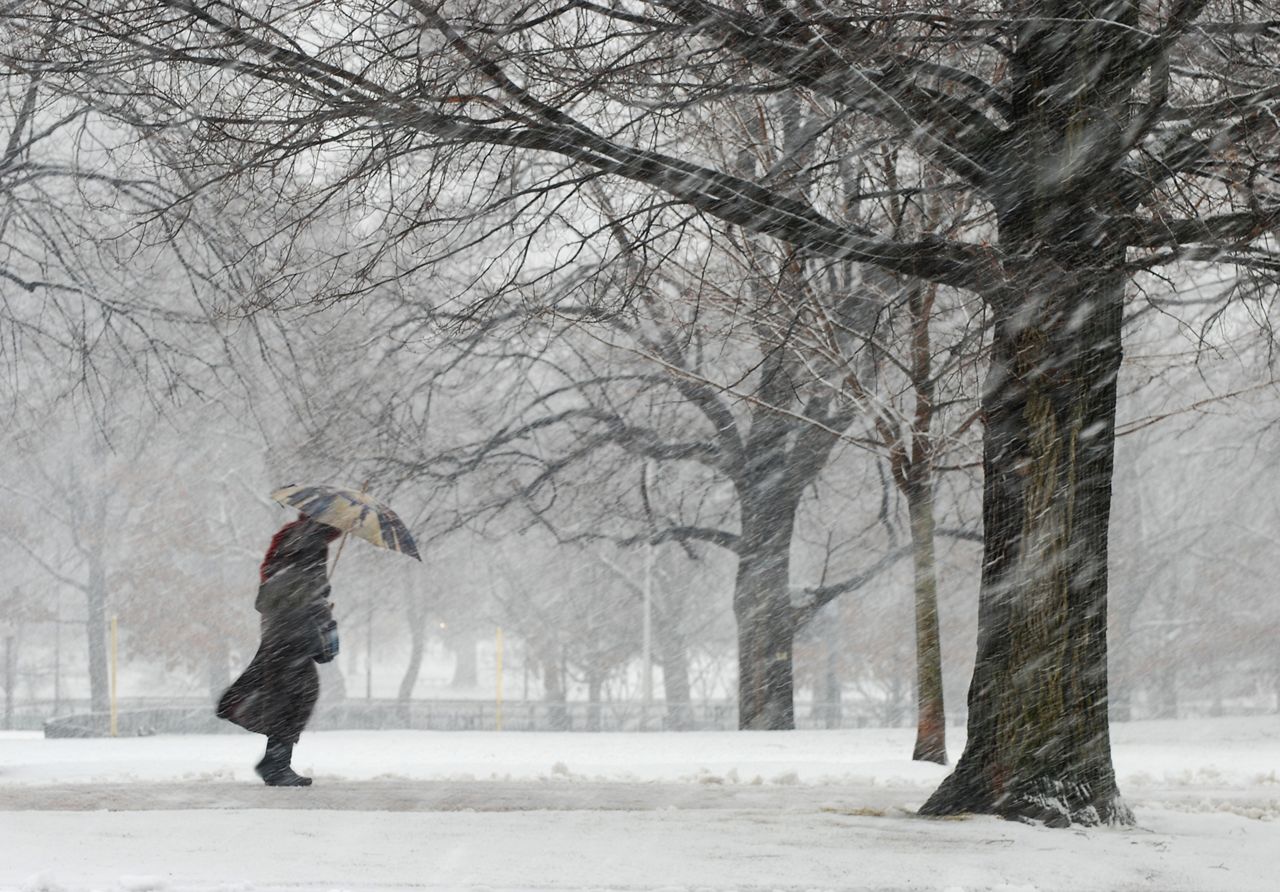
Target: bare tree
1103, 137
908, 365
75, 508
666, 406
186, 562
86, 218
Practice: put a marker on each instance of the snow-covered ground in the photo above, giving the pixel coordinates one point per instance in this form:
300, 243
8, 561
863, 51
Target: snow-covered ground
500, 811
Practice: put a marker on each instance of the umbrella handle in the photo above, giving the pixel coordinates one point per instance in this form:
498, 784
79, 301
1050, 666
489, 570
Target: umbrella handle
337, 554
343, 540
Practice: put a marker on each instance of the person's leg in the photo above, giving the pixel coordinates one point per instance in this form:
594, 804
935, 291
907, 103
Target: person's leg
292, 686
275, 768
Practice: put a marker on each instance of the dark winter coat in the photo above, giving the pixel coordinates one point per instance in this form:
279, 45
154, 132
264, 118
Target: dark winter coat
277, 692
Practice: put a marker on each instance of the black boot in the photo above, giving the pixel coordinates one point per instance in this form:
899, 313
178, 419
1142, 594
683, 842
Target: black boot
274, 769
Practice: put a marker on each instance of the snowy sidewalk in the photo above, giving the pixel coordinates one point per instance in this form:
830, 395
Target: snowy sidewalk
751, 849
731, 811
446, 796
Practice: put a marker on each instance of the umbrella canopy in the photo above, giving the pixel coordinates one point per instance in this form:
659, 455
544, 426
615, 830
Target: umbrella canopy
352, 512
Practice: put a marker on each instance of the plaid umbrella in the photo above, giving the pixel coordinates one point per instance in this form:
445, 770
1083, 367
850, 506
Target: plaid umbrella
352, 512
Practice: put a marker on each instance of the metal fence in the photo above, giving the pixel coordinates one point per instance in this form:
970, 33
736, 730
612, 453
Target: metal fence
140, 717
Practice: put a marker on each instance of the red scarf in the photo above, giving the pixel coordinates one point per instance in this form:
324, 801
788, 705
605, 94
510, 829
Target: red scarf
285, 543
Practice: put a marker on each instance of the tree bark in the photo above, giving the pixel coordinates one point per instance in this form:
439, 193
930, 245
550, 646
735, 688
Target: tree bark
674, 656
1039, 738
417, 649
595, 685
931, 717
553, 690
766, 627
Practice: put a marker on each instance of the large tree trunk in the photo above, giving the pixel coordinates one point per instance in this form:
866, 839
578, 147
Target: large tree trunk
595, 688
766, 626
553, 689
931, 717
674, 656
416, 614
1039, 741
409, 680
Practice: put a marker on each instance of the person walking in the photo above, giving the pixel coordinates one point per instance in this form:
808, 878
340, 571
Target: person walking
276, 694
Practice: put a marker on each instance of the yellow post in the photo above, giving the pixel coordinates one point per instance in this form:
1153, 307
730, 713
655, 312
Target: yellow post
498, 717
113, 677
